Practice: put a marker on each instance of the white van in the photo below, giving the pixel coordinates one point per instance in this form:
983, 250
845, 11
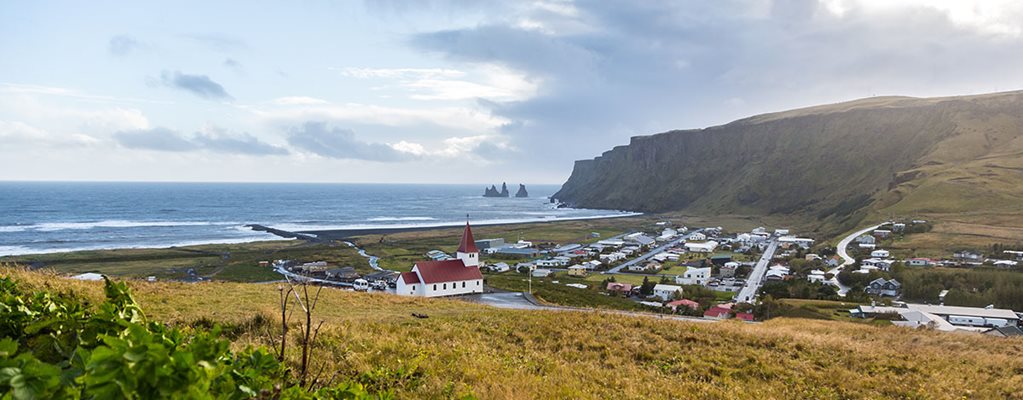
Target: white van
361, 285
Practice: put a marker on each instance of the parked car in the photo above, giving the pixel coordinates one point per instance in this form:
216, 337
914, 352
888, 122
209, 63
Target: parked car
361, 285
379, 285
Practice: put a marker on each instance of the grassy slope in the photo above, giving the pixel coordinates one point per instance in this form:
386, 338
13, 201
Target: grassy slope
520, 354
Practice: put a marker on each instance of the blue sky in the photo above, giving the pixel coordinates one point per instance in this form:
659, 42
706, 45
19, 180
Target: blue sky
448, 91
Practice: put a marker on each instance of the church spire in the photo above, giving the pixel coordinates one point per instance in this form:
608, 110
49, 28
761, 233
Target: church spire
468, 244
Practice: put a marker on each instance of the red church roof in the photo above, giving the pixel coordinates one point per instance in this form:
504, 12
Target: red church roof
409, 277
447, 271
468, 245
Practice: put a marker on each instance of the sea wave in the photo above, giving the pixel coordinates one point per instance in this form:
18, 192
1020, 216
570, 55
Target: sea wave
60, 226
385, 219
300, 227
22, 250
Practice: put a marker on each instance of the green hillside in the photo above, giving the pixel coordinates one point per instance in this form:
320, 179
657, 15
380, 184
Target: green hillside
833, 164
466, 349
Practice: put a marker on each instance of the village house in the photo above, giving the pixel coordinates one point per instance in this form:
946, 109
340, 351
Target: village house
816, 276
619, 288
719, 311
919, 262
728, 270
882, 287
882, 233
701, 247
697, 237
499, 267
694, 276
879, 253
777, 273
666, 292
448, 277
541, 273
344, 274
675, 305
968, 255
877, 263
577, 270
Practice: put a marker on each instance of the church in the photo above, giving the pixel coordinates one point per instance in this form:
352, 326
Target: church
445, 278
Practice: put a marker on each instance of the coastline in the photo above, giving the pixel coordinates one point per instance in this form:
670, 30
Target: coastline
342, 234
319, 235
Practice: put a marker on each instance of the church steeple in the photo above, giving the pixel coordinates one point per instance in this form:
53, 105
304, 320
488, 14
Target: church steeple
467, 251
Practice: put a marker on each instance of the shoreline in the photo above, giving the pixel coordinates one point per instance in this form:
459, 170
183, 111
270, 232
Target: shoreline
317, 236
343, 234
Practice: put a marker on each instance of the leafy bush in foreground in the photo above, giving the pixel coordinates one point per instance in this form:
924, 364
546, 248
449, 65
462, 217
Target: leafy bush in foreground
53, 346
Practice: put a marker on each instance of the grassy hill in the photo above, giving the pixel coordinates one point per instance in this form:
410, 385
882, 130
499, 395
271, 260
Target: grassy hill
959, 157
464, 348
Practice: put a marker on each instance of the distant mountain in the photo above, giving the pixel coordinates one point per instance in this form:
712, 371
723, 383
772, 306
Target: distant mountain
835, 163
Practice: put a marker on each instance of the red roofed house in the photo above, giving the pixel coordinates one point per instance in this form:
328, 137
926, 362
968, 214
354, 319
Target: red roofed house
720, 311
445, 278
682, 303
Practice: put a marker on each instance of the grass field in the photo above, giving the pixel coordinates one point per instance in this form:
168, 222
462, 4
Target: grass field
232, 262
464, 348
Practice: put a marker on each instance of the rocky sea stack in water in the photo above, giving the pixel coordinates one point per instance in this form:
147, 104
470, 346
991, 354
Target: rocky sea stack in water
522, 191
492, 191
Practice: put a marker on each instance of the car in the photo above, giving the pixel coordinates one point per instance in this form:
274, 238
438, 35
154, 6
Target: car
379, 285
361, 285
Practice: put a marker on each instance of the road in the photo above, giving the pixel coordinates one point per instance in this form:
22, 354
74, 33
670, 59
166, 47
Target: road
749, 292
651, 253
842, 250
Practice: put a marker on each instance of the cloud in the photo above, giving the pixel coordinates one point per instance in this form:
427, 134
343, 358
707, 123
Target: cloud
199, 85
608, 70
233, 64
159, 139
491, 82
121, 45
298, 101
218, 41
332, 142
212, 140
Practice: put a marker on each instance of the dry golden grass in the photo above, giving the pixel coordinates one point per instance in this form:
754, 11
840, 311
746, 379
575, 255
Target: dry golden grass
506, 354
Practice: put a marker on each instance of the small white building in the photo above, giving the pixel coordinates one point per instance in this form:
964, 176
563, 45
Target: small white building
816, 276
701, 247
694, 276
697, 237
880, 253
666, 292
541, 273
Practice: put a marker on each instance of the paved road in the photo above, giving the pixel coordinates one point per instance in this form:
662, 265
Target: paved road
651, 253
749, 292
842, 250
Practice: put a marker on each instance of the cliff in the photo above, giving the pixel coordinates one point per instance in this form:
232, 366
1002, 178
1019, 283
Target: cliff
836, 162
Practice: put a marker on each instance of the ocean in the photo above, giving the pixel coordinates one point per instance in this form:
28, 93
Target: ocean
47, 217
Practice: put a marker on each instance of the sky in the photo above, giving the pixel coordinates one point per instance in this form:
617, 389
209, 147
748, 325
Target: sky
456, 91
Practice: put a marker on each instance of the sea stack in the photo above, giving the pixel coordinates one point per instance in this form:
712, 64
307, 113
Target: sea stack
522, 191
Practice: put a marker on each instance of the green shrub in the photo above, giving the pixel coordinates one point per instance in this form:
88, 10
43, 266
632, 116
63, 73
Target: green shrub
54, 346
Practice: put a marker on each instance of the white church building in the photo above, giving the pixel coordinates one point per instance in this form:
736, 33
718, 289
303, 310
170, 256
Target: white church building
445, 278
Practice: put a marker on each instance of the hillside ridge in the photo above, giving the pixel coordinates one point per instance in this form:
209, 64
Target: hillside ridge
834, 163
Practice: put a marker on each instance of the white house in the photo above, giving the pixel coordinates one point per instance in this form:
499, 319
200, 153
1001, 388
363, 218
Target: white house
879, 253
541, 273
816, 276
694, 276
697, 237
777, 273
701, 247
881, 264
445, 278
499, 267
666, 292
553, 262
